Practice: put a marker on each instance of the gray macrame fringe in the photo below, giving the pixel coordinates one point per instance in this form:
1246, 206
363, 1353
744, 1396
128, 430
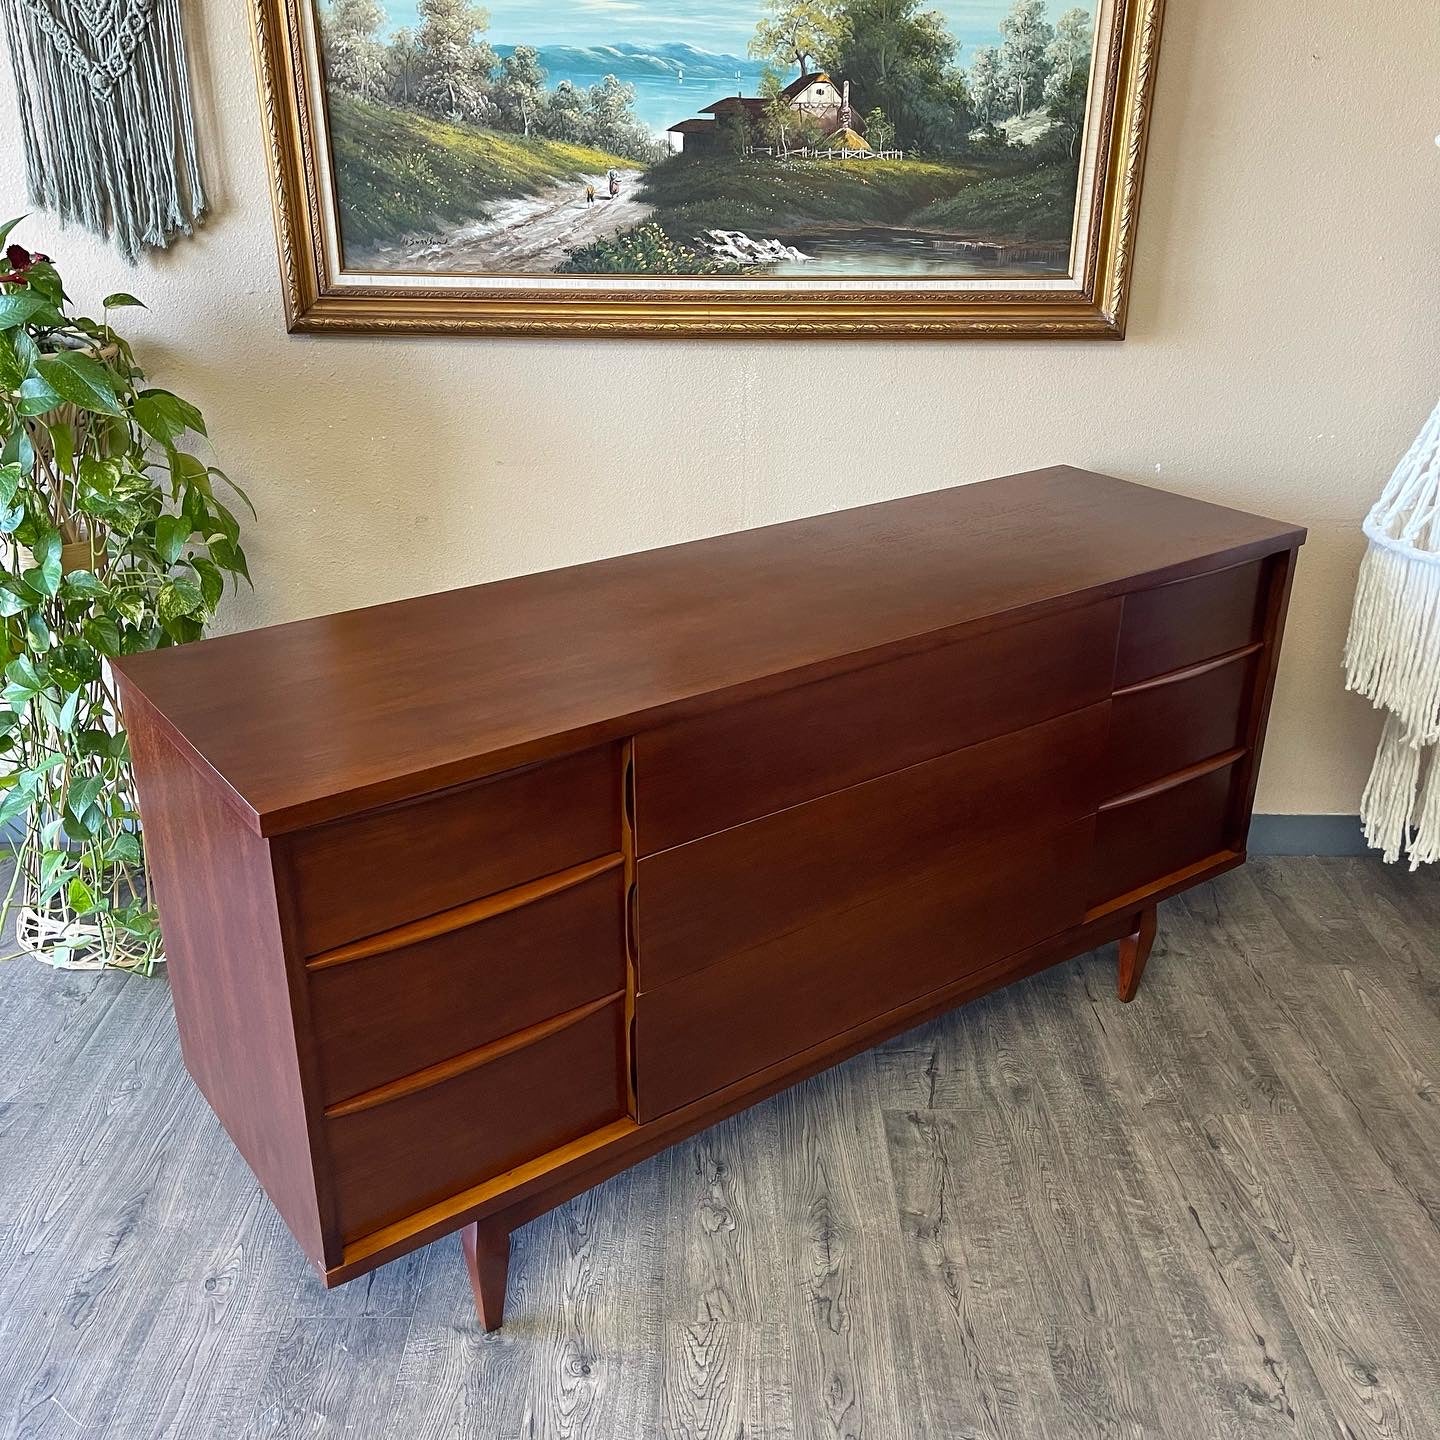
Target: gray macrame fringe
109, 142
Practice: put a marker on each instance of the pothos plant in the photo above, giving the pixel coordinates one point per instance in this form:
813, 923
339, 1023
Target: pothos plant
112, 540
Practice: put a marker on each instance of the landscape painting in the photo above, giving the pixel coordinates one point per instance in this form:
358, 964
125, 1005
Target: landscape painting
781, 150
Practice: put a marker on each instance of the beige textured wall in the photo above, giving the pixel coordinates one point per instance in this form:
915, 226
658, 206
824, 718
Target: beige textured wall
1282, 352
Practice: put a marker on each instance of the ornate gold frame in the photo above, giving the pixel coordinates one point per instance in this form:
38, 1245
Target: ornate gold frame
313, 302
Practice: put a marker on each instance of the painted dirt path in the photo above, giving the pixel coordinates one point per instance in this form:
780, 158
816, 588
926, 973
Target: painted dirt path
532, 232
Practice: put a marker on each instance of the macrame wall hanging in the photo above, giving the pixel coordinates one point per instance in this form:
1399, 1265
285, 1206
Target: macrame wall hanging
1392, 655
104, 96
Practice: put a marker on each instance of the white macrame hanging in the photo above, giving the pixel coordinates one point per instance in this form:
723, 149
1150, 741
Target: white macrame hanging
104, 95
1392, 655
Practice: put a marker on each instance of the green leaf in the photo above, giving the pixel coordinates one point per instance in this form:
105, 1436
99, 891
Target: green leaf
119, 298
46, 552
17, 307
212, 582
62, 442
221, 475
12, 372
37, 396
171, 533
44, 279
82, 898
82, 380
27, 352
124, 849
19, 451
178, 599
97, 475
73, 664
229, 556
8, 226
83, 585
17, 802
16, 596
37, 632
103, 633
10, 478
83, 793
166, 416
65, 719
21, 672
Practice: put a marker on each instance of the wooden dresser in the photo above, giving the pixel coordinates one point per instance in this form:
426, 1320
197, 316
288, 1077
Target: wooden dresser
476, 899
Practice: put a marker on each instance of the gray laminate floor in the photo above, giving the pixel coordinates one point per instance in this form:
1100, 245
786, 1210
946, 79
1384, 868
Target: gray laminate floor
1213, 1213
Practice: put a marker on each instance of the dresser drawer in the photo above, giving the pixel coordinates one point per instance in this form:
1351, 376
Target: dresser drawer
359, 876
1166, 725
403, 1153
1140, 843
755, 1009
380, 1016
713, 897
700, 776
1176, 625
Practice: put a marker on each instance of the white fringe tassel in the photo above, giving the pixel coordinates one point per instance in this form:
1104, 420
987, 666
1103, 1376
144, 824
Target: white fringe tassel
1392, 654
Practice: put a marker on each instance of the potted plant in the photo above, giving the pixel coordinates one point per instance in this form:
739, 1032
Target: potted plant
112, 540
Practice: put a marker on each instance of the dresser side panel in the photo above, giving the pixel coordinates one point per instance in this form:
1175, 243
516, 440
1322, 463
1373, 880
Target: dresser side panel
215, 888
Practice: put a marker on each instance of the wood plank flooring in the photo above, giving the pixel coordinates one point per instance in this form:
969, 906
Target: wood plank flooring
1211, 1215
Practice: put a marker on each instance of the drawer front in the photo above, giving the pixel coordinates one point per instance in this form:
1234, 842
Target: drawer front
700, 776
1170, 725
755, 1009
700, 902
360, 876
1181, 624
403, 1154
383, 1016
1141, 843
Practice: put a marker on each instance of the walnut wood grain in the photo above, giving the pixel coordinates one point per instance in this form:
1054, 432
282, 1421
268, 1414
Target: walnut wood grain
395, 1158
463, 980
745, 761
1169, 626
240, 1011
386, 1015
1161, 726
1134, 954
722, 894
405, 862
711, 1028
307, 721
1162, 830
485, 1245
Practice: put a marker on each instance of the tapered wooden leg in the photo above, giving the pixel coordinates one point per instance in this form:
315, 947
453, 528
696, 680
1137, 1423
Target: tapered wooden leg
1134, 952
486, 1246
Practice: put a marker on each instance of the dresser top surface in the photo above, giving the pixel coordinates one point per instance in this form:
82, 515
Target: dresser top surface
315, 719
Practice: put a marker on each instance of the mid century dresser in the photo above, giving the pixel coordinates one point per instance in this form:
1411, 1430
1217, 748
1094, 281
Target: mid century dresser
474, 900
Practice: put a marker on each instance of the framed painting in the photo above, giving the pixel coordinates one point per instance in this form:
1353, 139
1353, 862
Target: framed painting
787, 167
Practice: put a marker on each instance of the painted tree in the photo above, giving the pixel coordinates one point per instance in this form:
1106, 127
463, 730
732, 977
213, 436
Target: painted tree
563, 114
987, 84
777, 119
610, 123
797, 32
455, 66
1066, 97
402, 67
354, 54
901, 58
1070, 49
879, 132
520, 89
1026, 35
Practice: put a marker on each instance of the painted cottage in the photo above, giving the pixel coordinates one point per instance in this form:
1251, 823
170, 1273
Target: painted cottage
815, 94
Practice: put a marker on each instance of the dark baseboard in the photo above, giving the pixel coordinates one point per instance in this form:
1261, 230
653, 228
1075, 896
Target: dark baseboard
1307, 835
